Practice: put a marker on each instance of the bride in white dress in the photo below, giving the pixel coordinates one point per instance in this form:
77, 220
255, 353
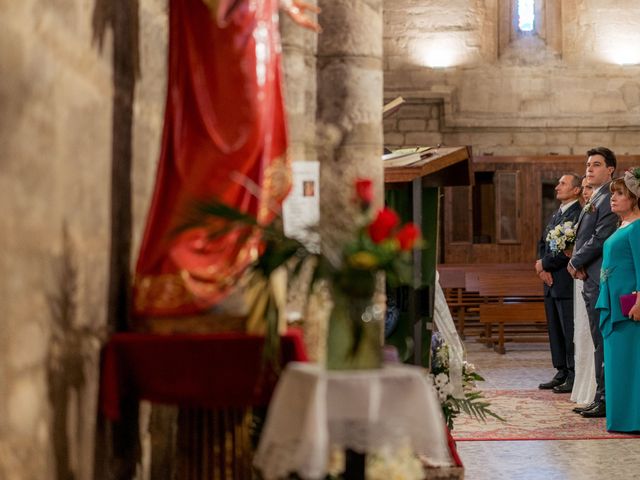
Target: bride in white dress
584, 384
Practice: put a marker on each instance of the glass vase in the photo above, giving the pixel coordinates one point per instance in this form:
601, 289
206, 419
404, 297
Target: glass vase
355, 333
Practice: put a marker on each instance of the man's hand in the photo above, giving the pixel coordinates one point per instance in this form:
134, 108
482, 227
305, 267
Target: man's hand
538, 266
572, 271
546, 277
581, 274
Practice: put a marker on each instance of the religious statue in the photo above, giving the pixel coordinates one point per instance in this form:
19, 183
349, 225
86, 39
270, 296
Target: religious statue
224, 136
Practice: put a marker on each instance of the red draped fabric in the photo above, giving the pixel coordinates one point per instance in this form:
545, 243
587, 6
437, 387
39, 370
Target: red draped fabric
224, 121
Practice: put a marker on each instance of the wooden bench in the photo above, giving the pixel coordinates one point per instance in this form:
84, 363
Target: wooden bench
520, 304
461, 302
460, 285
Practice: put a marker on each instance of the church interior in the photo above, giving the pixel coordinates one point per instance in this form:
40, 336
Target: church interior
97, 101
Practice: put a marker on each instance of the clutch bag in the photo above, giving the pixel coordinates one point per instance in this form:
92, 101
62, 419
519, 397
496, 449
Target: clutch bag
627, 302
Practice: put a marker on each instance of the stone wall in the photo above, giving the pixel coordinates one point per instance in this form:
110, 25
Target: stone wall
56, 134
529, 96
55, 125
58, 144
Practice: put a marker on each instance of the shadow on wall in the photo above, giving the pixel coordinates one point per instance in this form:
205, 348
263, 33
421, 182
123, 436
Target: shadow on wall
73, 352
109, 450
122, 17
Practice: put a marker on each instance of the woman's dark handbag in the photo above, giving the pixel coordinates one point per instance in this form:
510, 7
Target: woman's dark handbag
627, 302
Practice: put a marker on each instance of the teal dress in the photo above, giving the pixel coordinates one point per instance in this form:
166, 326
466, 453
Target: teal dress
621, 275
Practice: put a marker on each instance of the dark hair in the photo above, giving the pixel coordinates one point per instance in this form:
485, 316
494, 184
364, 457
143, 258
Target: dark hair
619, 185
609, 156
576, 180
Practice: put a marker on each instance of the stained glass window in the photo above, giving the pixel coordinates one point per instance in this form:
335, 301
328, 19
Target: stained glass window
526, 15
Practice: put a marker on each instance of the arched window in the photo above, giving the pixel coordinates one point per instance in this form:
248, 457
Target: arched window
526, 15
528, 20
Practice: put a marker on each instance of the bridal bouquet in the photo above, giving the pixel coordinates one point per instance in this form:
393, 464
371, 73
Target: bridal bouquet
561, 237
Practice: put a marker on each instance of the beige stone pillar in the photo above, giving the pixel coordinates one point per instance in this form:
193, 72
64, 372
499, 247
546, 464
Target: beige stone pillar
299, 47
350, 99
349, 122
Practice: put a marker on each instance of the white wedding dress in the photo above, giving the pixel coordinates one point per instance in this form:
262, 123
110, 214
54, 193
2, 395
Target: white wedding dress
584, 384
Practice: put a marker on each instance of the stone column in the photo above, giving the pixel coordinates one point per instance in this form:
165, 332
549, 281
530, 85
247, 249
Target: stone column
349, 121
299, 46
350, 98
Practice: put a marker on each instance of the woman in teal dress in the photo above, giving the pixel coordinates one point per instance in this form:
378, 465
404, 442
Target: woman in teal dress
621, 275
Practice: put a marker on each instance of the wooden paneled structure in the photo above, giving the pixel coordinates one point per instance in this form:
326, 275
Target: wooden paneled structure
413, 189
500, 218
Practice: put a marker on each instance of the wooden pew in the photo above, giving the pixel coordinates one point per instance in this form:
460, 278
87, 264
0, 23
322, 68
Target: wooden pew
520, 304
463, 303
460, 285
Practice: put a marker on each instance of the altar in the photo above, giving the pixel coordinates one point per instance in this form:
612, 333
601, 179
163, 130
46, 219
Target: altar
313, 412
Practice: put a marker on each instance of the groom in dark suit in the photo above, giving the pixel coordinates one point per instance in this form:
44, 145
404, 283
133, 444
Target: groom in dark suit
551, 267
595, 224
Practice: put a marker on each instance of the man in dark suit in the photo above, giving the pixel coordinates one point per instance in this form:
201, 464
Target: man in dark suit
551, 267
595, 224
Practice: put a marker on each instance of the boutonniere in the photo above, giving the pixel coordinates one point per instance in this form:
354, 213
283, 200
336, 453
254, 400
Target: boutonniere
588, 207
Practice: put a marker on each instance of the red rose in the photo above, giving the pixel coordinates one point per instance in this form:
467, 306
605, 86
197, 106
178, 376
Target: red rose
364, 191
381, 227
407, 236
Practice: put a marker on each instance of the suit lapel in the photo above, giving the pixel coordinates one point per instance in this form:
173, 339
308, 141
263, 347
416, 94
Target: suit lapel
600, 193
560, 216
579, 219
592, 202
570, 211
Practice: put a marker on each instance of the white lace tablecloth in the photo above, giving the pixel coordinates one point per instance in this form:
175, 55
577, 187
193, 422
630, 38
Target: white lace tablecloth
313, 410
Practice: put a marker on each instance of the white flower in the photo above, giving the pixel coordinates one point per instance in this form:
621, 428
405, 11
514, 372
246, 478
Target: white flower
560, 236
448, 389
469, 367
442, 395
441, 379
397, 464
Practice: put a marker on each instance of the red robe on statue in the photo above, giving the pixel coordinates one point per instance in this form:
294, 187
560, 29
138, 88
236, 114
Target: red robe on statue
224, 114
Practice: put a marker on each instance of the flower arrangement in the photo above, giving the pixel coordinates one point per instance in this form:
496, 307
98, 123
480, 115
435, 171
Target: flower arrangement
380, 244
472, 402
561, 237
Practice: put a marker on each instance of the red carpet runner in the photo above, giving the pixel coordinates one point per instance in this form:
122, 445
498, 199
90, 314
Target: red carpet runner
532, 415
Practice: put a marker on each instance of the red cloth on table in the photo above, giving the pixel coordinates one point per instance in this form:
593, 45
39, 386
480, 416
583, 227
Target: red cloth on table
198, 370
